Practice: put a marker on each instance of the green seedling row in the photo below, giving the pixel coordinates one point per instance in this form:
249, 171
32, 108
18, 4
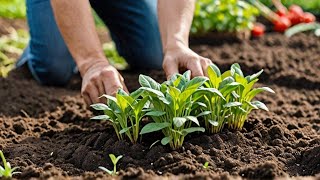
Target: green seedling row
183, 105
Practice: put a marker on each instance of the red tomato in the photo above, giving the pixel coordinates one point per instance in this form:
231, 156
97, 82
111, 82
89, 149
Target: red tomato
258, 30
282, 24
295, 14
281, 13
308, 18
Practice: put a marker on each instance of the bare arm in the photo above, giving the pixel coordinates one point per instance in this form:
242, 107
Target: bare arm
175, 18
75, 21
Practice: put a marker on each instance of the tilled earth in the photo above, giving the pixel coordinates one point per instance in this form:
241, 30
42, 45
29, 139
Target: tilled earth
46, 131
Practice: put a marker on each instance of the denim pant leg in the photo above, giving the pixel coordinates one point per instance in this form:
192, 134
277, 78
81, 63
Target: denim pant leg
134, 28
47, 55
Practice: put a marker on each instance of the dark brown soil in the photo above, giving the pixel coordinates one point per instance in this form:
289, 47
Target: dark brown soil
47, 133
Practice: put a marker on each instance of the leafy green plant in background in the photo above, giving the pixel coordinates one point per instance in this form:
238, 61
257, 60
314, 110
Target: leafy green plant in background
172, 104
11, 47
113, 56
6, 171
114, 160
12, 8
124, 112
223, 15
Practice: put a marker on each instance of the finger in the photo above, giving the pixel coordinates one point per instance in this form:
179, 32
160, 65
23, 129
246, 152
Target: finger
195, 67
111, 88
87, 99
170, 67
205, 63
93, 92
123, 84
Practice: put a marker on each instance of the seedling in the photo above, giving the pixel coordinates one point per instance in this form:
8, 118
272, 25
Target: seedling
114, 160
6, 171
206, 165
124, 112
239, 100
172, 104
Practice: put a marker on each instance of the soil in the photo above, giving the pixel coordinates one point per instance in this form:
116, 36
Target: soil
46, 131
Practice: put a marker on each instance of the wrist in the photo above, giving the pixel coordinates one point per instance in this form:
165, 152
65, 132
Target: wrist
86, 64
175, 44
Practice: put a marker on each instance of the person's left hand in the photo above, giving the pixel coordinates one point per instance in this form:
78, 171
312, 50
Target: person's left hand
182, 58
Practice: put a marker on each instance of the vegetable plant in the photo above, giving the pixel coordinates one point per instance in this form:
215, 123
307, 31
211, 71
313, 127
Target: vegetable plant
239, 100
223, 15
114, 160
6, 171
172, 104
124, 112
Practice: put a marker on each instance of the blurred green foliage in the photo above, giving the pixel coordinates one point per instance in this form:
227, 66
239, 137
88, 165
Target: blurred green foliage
11, 47
308, 5
114, 58
12, 8
223, 15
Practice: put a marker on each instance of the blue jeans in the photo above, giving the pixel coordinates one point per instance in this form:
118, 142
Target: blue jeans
133, 26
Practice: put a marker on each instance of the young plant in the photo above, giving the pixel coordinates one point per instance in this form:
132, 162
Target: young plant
217, 89
114, 160
6, 171
172, 103
239, 100
206, 165
124, 112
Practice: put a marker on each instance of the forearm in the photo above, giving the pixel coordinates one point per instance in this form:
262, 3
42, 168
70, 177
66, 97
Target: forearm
75, 21
175, 18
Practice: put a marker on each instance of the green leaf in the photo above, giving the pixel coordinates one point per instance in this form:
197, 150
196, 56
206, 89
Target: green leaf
187, 75
226, 81
260, 105
232, 104
213, 123
155, 113
153, 91
236, 69
100, 107
100, 117
179, 121
215, 69
226, 74
152, 127
135, 94
193, 119
166, 140
109, 98
115, 159
196, 82
213, 91
146, 81
106, 170
254, 76
204, 113
174, 92
192, 129
256, 91
139, 106
124, 130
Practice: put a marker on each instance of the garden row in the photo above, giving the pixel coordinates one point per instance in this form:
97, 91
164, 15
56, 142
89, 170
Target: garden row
183, 105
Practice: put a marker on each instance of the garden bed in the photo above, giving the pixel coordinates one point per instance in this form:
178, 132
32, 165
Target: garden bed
47, 133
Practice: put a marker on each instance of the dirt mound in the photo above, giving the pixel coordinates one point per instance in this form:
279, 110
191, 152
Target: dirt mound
47, 133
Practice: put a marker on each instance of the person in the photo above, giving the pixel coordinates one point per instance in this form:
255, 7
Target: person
63, 39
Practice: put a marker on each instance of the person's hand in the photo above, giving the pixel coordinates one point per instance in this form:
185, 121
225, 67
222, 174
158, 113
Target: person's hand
183, 58
100, 78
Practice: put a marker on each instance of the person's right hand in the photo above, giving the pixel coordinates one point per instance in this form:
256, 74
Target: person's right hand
100, 78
